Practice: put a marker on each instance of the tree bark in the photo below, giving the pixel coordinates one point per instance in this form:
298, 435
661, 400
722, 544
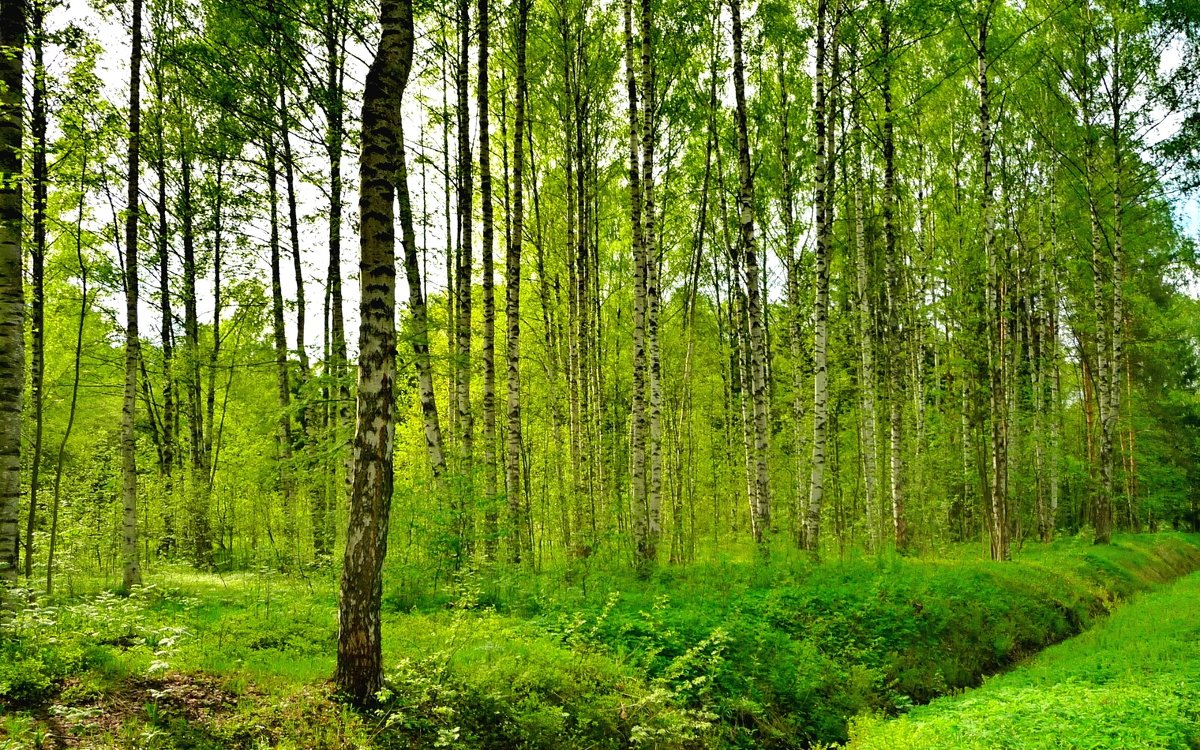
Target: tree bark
574, 318
12, 293
1110, 385
761, 516
451, 195
283, 387
169, 404
131, 565
995, 312
1050, 339
822, 229
464, 495
651, 250
895, 293
646, 544
795, 317
359, 673
335, 135
512, 300
289, 175
38, 261
491, 518
418, 315
337, 392
200, 532
1037, 310
214, 354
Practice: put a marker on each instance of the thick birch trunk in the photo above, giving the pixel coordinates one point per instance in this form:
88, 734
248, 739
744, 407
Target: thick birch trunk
645, 544
359, 672
12, 293
651, 254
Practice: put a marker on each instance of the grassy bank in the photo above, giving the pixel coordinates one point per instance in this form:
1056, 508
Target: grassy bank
1131, 682
717, 655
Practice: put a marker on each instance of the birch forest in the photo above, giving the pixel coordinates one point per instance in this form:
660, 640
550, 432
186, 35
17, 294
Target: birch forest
599, 373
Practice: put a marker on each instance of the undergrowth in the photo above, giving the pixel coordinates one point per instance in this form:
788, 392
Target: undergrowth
725, 654
1131, 683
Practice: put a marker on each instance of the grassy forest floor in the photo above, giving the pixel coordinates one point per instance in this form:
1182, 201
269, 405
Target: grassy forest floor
1131, 682
724, 654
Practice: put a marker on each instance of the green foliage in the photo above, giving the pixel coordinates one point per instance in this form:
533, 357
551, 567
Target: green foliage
46, 643
1132, 682
795, 654
718, 652
714, 655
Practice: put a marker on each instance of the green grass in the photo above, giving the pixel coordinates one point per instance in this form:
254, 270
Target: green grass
720, 654
1131, 682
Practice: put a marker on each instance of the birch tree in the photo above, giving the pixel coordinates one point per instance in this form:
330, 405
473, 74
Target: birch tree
130, 558
822, 229
359, 672
12, 292
512, 291
754, 303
